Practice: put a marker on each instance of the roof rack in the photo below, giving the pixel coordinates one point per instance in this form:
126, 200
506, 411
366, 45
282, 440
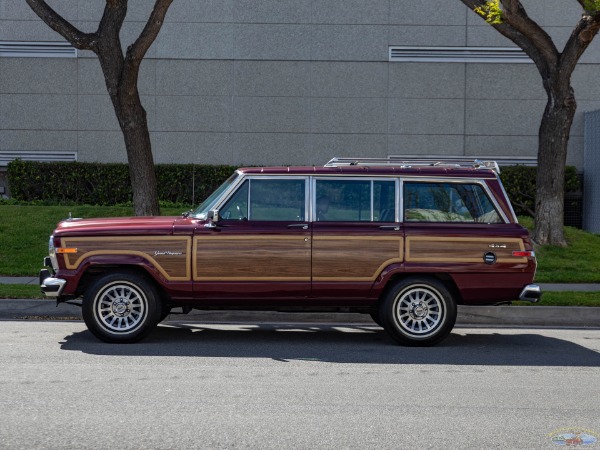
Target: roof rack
419, 162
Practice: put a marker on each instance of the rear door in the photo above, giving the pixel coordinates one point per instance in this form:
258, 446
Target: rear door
355, 235
456, 227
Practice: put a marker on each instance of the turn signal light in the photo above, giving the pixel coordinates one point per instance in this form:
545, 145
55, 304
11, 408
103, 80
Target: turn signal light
66, 250
524, 254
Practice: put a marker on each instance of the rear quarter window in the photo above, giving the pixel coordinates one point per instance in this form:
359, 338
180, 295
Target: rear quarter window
448, 202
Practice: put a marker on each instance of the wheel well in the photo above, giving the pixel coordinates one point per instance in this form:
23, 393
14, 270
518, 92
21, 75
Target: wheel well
443, 277
96, 271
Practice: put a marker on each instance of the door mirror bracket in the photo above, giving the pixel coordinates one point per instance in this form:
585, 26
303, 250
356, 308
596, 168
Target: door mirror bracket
212, 218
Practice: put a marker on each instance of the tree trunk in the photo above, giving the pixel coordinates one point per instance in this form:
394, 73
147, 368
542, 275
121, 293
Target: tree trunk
139, 156
552, 157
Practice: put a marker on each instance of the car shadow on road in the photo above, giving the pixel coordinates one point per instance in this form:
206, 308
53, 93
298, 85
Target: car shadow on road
343, 344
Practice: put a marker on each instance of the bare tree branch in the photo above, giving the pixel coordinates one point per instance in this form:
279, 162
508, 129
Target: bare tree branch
515, 15
77, 38
578, 42
138, 49
528, 35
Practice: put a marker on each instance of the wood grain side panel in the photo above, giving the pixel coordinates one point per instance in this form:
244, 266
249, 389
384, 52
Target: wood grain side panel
169, 254
459, 249
350, 258
251, 258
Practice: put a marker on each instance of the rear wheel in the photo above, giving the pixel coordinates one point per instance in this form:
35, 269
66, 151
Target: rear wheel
121, 307
418, 311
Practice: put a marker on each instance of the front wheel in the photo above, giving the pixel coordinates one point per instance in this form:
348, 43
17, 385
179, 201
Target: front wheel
121, 307
418, 311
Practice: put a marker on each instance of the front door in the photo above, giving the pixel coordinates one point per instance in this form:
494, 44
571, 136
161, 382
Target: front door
261, 246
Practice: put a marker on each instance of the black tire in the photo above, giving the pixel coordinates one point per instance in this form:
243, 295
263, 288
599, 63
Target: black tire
375, 316
165, 311
418, 311
121, 307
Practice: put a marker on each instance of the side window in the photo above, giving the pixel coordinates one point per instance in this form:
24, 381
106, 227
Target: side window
355, 201
448, 202
267, 200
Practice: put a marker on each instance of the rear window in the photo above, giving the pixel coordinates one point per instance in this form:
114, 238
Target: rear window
448, 202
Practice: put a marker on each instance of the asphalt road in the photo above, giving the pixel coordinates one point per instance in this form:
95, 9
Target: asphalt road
294, 386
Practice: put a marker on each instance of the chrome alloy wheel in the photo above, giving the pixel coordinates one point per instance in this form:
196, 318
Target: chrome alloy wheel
121, 307
419, 310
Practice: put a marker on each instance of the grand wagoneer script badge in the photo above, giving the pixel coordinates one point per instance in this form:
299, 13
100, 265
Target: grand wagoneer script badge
167, 253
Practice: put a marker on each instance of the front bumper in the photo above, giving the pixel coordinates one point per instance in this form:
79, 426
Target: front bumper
531, 293
50, 285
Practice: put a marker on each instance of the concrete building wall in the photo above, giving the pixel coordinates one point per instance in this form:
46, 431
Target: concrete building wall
289, 82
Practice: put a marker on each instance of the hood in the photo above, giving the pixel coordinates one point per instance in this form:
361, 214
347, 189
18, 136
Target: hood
116, 226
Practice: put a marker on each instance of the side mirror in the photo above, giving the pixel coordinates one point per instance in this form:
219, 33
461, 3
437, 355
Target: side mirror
212, 218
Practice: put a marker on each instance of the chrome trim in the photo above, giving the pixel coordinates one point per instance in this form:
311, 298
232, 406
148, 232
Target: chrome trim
399, 179
51, 281
508, 201
52, 253
531, 293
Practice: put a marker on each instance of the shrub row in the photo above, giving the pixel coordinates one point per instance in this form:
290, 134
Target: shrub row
187, 184
520, 185
109, 184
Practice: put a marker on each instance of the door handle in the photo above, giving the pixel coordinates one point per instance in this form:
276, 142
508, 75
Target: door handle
390, 227
304, 226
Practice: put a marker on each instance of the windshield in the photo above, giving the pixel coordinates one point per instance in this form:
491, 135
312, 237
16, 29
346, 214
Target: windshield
201, 211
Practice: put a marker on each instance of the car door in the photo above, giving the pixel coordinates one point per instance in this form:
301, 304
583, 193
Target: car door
356, 235
260, 246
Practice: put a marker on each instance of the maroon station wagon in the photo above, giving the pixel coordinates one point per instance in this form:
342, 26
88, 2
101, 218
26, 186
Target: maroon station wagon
403, 241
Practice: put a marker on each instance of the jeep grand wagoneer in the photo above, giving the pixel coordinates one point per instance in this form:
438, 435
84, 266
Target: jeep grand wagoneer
404, 241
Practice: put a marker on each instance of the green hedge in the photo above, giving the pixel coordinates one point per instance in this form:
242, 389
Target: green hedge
520, 185
109, 184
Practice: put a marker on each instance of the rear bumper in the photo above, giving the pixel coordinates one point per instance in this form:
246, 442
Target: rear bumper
51, 286
531, 293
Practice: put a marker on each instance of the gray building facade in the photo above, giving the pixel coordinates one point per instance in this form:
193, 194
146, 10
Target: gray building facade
289, 82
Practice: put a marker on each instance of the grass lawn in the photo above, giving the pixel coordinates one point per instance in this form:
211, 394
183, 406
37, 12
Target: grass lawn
24, 232
20, 291
577, 263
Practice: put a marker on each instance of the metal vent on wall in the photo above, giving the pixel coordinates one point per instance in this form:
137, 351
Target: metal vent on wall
41, 156
458, 54
13, 49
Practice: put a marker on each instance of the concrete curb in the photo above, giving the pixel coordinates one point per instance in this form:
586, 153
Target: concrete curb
535, 316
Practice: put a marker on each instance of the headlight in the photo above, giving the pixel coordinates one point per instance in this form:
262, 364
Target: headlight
52, 253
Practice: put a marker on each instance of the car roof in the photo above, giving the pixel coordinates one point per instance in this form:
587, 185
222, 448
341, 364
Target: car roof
424, 171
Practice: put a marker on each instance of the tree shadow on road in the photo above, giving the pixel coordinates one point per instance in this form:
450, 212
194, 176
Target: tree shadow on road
344, 344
